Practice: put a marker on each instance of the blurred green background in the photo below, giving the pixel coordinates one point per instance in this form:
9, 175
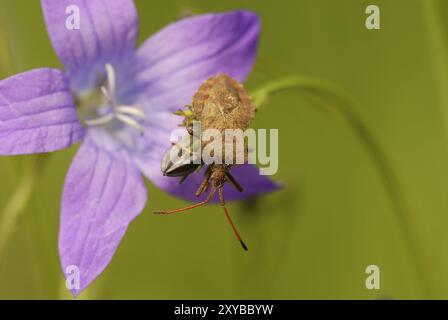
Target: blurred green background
334, 217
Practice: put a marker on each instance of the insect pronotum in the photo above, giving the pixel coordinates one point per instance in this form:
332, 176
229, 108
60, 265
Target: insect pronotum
220, 103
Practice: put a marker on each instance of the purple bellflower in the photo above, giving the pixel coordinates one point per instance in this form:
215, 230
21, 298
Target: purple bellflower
119, 102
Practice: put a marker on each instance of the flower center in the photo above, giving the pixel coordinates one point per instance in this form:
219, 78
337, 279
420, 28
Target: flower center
96, 115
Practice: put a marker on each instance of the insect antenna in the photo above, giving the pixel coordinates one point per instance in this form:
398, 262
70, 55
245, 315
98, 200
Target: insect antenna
209, 197
235, 231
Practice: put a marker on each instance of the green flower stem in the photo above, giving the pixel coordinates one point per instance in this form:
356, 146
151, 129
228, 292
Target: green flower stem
6, 63
19, 199
340, 103
439, 54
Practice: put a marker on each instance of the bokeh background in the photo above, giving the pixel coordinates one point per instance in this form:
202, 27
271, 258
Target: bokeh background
335, 215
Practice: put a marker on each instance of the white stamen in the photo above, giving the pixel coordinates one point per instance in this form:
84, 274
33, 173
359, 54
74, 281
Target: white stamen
132, 111
100, 121
131, 122
122, 113
110, 72
108, 96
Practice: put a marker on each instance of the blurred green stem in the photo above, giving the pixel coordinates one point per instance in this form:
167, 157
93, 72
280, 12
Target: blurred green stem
342, 105
19, 199
6, 63
439, 54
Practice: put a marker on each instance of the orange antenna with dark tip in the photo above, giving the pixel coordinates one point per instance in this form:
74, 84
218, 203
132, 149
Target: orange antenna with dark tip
235, 231
210, 196
234, 228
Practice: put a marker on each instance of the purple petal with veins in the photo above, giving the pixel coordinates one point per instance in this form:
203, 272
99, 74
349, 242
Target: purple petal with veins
171, 65
103, 193
107, 34
37, 113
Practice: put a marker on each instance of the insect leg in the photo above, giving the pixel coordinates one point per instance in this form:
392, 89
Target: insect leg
200, 167
205, 182
223, 206
210, 196
234, 182
184, 177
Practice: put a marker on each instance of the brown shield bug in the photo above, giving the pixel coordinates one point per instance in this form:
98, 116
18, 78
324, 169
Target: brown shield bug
220, 103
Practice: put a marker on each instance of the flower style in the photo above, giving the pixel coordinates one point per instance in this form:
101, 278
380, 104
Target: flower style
119, 102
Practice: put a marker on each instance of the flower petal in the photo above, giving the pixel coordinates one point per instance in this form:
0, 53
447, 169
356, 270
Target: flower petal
103, 193
37, 113
247, 175
107, 33
173, 63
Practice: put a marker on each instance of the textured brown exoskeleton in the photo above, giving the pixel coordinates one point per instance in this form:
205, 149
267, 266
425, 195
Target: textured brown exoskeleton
220, 103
